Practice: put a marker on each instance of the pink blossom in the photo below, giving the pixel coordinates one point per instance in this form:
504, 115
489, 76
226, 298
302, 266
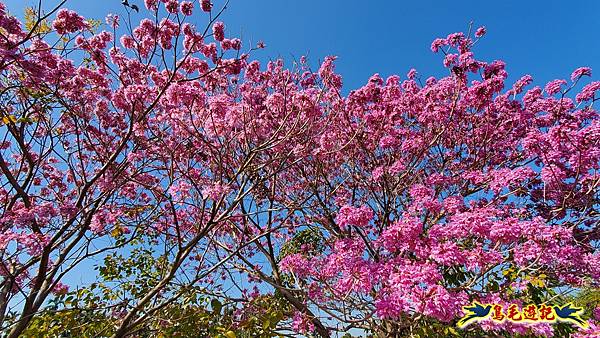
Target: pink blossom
187, 7
172, 6
127, 41
454, 203
521, 83
327, 73
219, 31
450, 59
436, 44
151, 4
112, 20
553, 87
215, 191
60, 289
236, 44
388, 142
581, 71
377, 173
206, 5
301, 323
402, 235
226, 44
397, 167
588, 91
592, 331
412, 74
349, 215
297, 264
390, 307
480, 32
68, 21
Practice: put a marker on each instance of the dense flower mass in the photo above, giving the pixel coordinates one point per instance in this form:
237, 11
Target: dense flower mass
208, 187
461, 184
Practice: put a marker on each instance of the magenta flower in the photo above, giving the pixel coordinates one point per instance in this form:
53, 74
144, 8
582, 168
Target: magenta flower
579, 72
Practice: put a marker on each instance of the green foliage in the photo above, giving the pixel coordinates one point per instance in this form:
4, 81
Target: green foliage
588, 299
96, 311
267, 312
309, 242
31, 17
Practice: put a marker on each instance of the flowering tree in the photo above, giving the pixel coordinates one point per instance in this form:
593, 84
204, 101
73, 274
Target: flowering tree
447, 192
217, 197
116, 145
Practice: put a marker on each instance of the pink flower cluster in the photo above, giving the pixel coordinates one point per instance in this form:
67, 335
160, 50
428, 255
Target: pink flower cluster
68, 21
219, 31
206, 5
351, 216
455, 175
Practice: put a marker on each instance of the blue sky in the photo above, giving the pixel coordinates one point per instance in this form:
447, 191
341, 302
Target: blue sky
546, 39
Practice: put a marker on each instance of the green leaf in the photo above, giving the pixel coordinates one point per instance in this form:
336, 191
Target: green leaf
216, 305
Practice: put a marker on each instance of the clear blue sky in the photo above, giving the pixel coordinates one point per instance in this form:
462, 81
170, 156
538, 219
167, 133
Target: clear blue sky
546, 39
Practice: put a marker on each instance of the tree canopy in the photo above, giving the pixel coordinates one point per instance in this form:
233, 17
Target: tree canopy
212, 196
